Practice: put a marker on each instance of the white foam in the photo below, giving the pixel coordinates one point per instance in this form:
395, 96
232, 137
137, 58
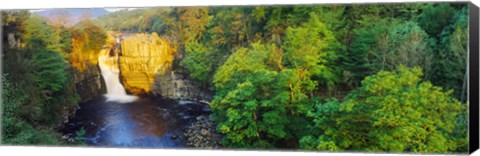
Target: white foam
115, 90
120, 98
184, 102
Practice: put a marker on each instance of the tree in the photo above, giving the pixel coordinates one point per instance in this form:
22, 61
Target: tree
227, 31
263, 87
249, 105
65, 42
391, 111
87, 40
386, 46
193, 22
435, 17
449, 61
306, 55
46, 86
13, 21
15, 129
198, 62
39, 34
95, 36
46, 81
408, 45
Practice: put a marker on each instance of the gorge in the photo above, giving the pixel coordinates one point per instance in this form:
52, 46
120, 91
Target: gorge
144, 65
373, 78
155, 117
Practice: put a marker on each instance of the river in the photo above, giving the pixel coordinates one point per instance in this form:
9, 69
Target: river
149, 121
120, 120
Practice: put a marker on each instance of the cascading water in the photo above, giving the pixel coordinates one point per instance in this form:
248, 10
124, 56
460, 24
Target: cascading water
110, 72
143, 121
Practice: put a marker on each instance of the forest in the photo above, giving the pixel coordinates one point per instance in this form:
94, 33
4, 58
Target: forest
359, 77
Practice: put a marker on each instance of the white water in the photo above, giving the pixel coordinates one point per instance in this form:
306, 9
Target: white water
115, 90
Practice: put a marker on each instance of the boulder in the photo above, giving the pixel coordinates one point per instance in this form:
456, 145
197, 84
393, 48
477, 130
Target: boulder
202, 134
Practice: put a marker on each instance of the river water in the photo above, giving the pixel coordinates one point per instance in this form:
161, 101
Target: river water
148, 121
120, 120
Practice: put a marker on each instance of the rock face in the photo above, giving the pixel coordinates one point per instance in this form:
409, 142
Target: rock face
176, 85
142, 57
11, 40
89, 83
145, 63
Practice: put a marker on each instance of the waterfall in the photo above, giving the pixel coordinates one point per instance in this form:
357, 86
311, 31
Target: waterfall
111, 74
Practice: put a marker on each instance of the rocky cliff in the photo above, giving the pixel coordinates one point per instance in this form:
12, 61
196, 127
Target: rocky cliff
145, 62
142, 57
88, 79
177, 85
89, 83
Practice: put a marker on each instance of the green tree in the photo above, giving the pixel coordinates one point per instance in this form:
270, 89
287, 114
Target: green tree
262, 87
435, 17
391, 111
227, 31
198, 62
39, 34
93, 37
249, 104
215, 40
450, 59
386, 46
65, 42
306, 55
37, 86
54, 83
15, 128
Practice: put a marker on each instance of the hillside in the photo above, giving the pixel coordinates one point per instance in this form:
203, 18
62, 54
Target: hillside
71, 16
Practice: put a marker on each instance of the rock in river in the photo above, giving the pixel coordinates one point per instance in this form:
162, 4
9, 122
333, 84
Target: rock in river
202, 134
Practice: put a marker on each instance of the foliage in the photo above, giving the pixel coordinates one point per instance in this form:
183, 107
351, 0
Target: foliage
14, 22
15, 129
386, 46
271, 84
376, 77
37, 86
305, 56
93, 36
138, 20
65, 41
79, 136
38, 33
449, 61
391, 111
45, 79
87, 41
249, 104
435, 17
199, 62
